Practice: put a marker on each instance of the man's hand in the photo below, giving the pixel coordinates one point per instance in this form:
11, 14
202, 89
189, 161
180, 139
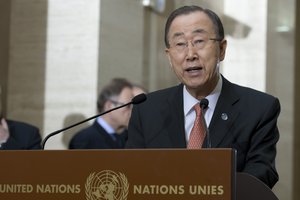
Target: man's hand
4, 132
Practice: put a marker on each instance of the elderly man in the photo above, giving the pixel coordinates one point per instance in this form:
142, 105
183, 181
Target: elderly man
237, 117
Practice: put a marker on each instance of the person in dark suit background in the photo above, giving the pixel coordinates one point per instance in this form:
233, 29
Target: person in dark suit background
138, 89
16, 135
237, 117
107, 130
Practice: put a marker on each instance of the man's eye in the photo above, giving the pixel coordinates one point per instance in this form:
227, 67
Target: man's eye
181, 44
198, 41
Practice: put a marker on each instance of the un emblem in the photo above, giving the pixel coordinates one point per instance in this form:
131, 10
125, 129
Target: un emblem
106, 185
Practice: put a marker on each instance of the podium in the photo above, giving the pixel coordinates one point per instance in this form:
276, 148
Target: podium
133, 174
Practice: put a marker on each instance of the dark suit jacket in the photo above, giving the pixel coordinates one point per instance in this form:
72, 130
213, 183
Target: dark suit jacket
251, 127
95, 137
23, 136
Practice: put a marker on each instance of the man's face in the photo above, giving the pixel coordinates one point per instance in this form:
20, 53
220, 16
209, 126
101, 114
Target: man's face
120, 117
193, 56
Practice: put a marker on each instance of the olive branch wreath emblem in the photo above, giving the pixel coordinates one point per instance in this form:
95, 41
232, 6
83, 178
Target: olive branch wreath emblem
93, 176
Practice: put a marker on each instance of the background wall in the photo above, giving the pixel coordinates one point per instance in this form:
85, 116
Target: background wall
281, 82
121, 41
71, 65
4, 51
26, 65
55, 56
296, 125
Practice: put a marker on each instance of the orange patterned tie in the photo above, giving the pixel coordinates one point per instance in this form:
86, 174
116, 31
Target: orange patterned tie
198, 131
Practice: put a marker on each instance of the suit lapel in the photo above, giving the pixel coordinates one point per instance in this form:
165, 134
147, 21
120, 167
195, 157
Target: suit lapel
174, 121
108, 138
225, 113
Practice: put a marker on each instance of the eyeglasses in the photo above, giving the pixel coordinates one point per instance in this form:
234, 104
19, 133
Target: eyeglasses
199, 42
117, 103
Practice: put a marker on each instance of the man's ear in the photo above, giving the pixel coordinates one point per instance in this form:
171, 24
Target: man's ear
223, 46
108, 105
167, 51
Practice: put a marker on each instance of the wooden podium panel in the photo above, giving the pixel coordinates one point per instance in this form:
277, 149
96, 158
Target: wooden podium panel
162, 174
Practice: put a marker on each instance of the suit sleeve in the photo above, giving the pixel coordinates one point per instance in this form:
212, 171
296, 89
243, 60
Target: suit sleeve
23, 138
79, 141
260, 160
12, 144
35, 140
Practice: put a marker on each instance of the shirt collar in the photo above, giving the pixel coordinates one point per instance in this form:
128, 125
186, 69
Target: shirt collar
105, 125
190, 101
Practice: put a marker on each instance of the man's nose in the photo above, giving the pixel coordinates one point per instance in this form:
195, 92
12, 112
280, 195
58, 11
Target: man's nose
192, 53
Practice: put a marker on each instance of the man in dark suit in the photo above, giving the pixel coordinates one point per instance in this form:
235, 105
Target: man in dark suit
237, 117
108, 130
15, 135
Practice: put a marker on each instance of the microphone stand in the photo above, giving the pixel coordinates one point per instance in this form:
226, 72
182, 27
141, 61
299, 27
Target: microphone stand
207, 131
204, 104
66, 128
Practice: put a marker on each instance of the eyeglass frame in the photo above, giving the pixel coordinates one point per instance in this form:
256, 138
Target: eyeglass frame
117, 103
186, 44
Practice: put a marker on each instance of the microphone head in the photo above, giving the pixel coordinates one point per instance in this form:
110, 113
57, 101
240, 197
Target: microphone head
204, 103
139, 98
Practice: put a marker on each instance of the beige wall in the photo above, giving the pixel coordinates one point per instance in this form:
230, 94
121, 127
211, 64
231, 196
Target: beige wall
71, 65
296, 158
26, 72
130, 44
60, 54
4, 51
280, 82
245, 60
121, 41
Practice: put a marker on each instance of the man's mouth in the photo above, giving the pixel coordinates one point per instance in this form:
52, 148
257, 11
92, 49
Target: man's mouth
193, 69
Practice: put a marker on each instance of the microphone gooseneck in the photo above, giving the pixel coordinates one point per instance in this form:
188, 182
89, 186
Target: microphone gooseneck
203, 105
135, 100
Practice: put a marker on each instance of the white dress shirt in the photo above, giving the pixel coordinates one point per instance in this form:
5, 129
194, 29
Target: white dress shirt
110, 130
189, 113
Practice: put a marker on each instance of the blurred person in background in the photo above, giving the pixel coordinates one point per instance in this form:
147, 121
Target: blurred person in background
16, 135
106, 132
138, 89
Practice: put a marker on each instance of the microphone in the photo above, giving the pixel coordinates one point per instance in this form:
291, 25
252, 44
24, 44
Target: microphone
203, 105
135, 100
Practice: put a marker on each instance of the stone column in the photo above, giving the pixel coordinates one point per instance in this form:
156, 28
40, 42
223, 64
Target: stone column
281, 83
296, 169
53, 63
26, 72
4, 51
71, 66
